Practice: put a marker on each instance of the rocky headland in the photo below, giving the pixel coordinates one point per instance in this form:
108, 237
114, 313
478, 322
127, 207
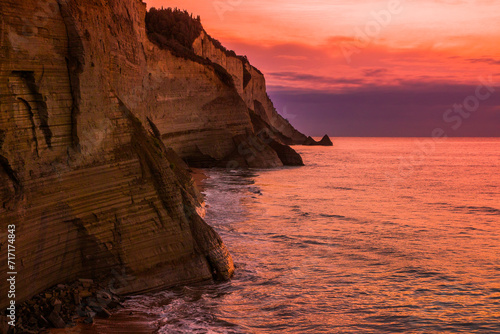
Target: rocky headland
102, 114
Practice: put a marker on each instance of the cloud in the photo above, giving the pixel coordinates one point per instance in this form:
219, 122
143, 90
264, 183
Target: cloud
340, 39
373, 72
311, 78
292, 57
490, 61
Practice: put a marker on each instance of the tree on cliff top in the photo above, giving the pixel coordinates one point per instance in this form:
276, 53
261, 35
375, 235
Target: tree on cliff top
173, 27
176, 30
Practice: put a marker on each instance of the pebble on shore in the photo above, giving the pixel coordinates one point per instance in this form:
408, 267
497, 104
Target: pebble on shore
63, 306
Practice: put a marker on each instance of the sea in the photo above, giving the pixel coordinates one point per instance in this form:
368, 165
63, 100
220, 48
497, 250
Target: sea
372, 235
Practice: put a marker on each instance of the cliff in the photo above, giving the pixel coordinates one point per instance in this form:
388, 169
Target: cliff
96, 124
251, 86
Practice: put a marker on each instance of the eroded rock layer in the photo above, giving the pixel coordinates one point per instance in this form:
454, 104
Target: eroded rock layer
251, 86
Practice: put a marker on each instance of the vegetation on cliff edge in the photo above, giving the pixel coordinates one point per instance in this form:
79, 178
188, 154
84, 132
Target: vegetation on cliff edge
176, 30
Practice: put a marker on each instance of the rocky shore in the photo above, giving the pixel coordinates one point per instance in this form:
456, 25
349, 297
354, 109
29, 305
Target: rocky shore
64, 305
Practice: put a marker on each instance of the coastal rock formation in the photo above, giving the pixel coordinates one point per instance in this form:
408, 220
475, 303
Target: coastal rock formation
95, 122
250, 84
61, 305
325, 141
287, 155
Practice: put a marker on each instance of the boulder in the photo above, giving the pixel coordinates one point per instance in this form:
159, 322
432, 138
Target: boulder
103, 313
287, 155
56, 320
87, 283
57, 305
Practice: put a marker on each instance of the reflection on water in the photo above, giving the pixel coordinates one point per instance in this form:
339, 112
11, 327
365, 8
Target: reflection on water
352, 243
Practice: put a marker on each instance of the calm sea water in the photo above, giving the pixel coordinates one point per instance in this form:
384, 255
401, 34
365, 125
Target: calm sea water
372, 236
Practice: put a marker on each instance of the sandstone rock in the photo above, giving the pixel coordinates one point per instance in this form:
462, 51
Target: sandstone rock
57, 306
56, 320
114, 304
276, 140
287, 155
251, 151
263, 128
86, 283
103, 295
81, 312
250, 84
85, 294
42, 322
103, 313
76, 297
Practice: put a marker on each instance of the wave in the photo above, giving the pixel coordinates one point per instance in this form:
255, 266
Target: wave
470, 209
479, 209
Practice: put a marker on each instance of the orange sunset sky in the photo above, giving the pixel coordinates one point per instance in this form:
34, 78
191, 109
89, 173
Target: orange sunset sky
365, 67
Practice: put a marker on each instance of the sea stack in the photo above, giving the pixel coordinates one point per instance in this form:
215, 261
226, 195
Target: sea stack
325, 141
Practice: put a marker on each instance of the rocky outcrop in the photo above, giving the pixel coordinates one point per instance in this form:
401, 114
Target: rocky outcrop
325, 141
287, 155
65, 304
250, 84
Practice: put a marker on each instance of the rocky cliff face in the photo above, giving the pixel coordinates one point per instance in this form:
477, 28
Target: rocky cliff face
94, 123
251, 86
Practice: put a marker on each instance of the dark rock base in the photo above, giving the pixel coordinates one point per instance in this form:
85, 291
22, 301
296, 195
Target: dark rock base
64, 306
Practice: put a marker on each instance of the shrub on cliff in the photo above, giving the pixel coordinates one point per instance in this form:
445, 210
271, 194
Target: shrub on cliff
176, 31
173, 25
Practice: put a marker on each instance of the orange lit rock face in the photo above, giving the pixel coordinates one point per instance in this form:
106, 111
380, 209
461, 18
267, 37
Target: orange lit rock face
250, 84
88, 107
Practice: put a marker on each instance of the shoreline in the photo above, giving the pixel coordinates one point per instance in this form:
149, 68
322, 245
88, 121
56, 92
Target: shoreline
121, 321
199, 177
